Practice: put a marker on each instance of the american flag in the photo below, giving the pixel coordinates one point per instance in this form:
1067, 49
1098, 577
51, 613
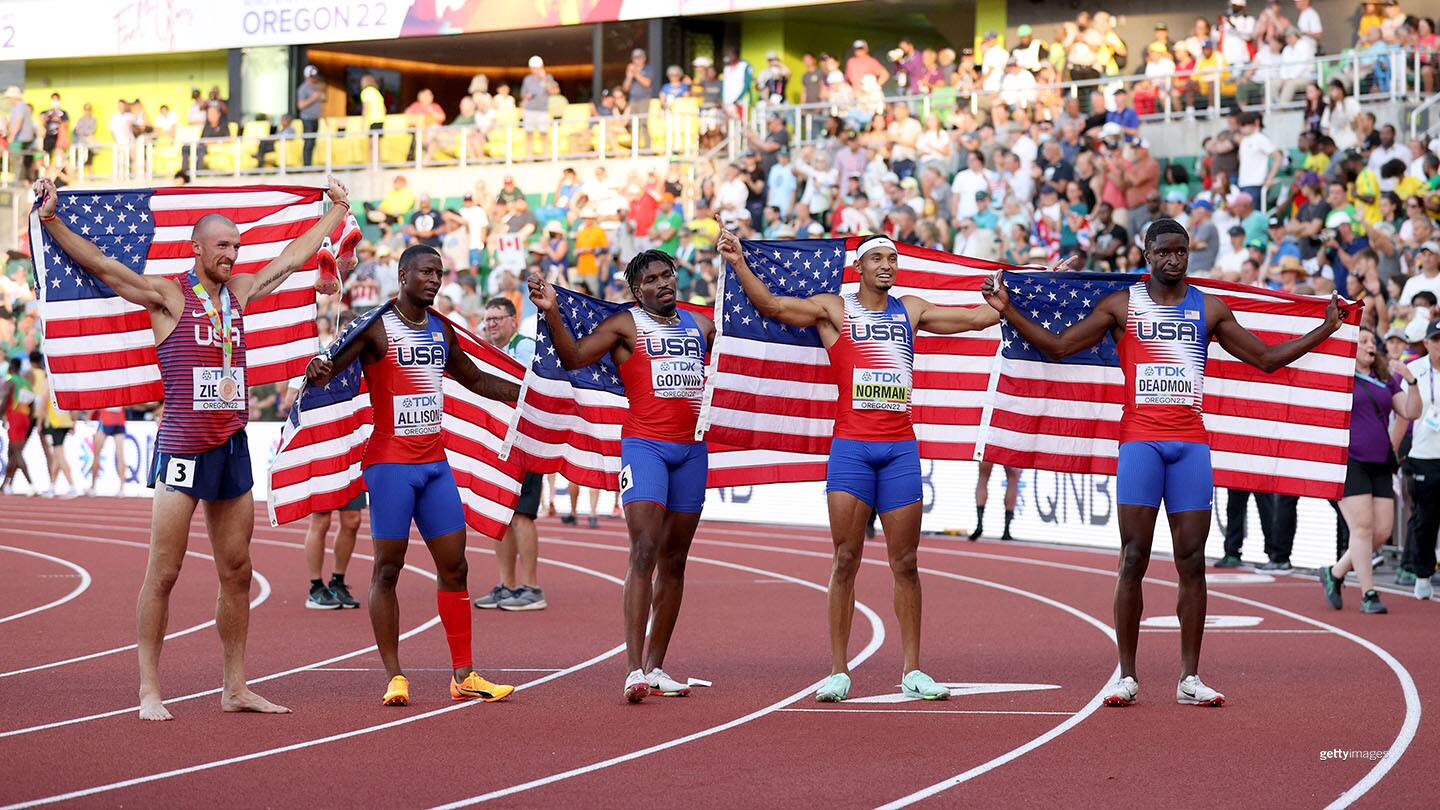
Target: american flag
1286, 432
99, 348
772, 385
569, 421
317, 468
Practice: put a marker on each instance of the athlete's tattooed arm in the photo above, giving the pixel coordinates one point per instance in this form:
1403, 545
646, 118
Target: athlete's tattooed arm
251, 286
1243, 344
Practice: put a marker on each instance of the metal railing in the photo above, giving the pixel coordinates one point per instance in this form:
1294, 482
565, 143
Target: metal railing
689, 134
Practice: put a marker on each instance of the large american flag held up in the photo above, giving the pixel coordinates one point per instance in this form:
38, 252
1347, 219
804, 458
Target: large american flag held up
321, 444
772, 385
569, 421
100, 349
1286, 432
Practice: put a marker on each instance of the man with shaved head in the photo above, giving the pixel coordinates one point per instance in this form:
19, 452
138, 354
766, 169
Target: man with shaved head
200, 450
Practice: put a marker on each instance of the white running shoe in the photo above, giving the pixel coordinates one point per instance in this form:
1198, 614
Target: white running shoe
1423, 588
1123, 693
664, 685
636, 687
1191, 692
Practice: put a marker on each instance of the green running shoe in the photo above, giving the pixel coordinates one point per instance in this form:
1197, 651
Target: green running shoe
917, 684
835, 689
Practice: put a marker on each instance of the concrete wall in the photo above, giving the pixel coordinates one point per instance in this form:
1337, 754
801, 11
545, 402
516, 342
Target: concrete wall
1183, 138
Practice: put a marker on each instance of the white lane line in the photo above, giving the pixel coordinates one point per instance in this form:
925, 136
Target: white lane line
925, 711
79, 589
262, 679
205, 766
877, 637
260, 597
1261, 630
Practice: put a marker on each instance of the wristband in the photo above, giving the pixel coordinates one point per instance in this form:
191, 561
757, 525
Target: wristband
345, 203
50, 218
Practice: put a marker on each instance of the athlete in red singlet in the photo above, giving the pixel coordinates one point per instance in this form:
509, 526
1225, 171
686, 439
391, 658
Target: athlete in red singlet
1162, 327
405, 349
874, 458
201, 453
660, 351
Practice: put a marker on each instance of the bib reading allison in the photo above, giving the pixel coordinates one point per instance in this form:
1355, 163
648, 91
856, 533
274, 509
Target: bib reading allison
417, 414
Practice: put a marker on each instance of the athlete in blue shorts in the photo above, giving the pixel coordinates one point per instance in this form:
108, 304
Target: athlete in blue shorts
1162, 327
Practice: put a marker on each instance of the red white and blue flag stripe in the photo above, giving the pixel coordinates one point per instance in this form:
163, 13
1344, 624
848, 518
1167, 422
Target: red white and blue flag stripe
1286, 432
100, 349
317, 468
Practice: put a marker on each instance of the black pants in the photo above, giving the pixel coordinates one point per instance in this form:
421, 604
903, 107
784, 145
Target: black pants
311, 126
1277, 522
1424, 526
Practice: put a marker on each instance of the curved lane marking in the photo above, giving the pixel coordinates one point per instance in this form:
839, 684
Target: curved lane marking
79, 589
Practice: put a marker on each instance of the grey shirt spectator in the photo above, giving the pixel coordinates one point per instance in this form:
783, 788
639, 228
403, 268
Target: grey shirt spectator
639, 82
535, 92
310, 99
22, 122
1204, 240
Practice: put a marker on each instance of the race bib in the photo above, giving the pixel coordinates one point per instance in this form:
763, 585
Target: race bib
677, 377
179, 472
880, 390
627, 480
418, 414
214, 391
1165, 384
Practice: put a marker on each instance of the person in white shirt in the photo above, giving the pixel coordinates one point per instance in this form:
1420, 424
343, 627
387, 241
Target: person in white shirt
1427, 262
1423, 464
1296, 68
1259, 158
733, 192
1236, 30
1017, 86
963, 187
1309, 22
1232, 252
993, 58
903, 133
1387, 151
1017, 178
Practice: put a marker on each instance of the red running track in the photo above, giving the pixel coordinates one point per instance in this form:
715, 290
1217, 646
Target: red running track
1024, 627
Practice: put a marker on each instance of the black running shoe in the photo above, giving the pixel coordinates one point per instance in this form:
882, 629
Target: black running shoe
975, 535
341, 592
1006, 535
593, 522
1229, 561
322, 599
1276, 565
1371, 603
568, 520
1331, 586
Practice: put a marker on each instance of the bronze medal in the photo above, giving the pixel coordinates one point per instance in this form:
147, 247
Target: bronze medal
228, 389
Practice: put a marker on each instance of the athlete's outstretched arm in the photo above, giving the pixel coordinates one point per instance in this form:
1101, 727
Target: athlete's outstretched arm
949, 320
322, 368
248, 287
1240, 342
1107, 316
575, 354
134, 287
802, 312
462, 368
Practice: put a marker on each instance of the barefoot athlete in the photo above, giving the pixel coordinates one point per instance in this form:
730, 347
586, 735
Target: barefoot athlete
404, 349
874, 458
201, 455
660, 351
1162, 327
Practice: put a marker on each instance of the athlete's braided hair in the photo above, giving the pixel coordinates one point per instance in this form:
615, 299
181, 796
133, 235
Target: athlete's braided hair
1162, 226
641, 261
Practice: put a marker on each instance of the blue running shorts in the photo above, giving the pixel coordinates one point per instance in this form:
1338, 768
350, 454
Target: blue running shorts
671, 474
885, 475
1178, 472
218, 474
425, 493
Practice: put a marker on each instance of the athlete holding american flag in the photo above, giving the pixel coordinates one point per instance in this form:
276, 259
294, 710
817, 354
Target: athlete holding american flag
201, 454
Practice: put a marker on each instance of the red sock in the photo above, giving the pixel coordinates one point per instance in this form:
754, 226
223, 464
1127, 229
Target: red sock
454, 607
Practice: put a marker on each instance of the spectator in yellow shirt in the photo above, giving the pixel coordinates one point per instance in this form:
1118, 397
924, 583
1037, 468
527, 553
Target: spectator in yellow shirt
590, 241
372, 103
1206, 67
394, 206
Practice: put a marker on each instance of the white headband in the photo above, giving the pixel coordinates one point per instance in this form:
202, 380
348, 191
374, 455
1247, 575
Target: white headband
876, 242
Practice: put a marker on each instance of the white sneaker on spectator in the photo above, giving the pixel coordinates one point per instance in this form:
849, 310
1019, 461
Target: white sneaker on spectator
1191, 692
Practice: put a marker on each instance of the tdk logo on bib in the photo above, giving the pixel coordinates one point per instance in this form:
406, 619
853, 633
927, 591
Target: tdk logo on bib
420, 355
673, 347
878, 331
884, 377
1167, 330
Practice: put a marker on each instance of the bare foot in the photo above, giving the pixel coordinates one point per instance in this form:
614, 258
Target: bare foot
248, 701
151, 708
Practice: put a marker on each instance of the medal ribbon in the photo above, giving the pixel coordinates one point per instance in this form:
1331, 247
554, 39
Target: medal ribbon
228, 348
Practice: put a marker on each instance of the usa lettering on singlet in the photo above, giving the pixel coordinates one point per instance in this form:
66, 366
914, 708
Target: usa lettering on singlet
407, 397
664, 378
203, 407
873, 362
1163, 354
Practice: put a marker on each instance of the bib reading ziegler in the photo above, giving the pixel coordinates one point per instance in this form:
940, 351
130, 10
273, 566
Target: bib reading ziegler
880, 389
215, 391
417, 414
